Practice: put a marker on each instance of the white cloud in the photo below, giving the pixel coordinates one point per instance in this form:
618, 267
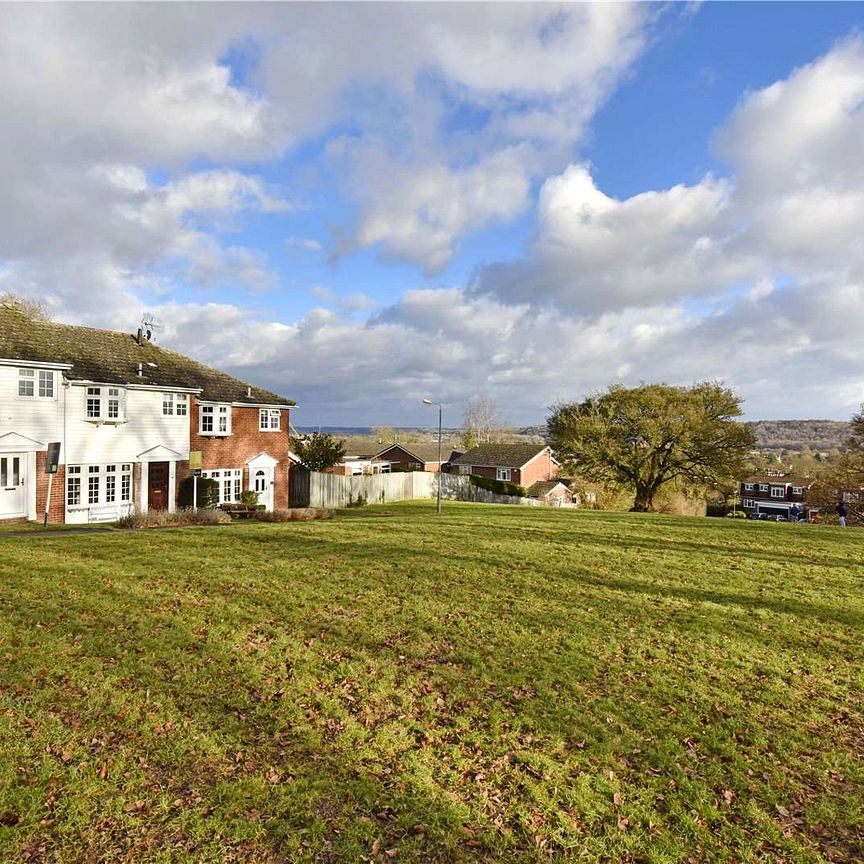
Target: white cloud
417, 214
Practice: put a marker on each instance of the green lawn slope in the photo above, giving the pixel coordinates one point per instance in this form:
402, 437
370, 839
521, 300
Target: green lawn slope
495, 684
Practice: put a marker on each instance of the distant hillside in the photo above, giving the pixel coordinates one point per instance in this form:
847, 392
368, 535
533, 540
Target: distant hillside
818, 435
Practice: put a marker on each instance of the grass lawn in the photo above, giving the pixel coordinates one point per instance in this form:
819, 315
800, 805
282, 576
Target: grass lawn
497, 684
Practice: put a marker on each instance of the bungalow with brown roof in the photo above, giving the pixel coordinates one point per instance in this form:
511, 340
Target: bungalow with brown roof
412, 457
523, 464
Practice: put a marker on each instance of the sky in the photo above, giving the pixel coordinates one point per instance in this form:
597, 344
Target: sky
363, 205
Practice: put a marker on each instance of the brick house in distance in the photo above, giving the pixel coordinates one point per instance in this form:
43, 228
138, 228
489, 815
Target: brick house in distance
523, 464
126, 414
774, 494
412, 457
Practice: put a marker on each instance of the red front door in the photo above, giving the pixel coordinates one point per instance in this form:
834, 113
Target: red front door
157, 486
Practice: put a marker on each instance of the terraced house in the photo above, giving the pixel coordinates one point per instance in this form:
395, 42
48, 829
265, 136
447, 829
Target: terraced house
126, 414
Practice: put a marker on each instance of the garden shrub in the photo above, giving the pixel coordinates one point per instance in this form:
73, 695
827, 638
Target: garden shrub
500, 487
208, 492
164, 519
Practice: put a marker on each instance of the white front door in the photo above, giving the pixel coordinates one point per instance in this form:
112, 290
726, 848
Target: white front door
13, 485
261, 481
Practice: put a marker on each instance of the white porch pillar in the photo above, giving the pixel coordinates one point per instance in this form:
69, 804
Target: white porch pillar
142, 492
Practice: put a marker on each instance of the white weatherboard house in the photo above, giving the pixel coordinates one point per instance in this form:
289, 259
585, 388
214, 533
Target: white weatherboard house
120, 407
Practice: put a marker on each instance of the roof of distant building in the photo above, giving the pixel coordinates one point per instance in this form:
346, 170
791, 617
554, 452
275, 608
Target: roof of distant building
500, 455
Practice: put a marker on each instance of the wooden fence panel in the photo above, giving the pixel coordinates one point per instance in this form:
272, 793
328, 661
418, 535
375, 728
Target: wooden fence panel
335, 491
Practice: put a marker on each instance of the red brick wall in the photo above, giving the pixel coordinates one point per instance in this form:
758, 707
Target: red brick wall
540, 468
245, 441
57, 514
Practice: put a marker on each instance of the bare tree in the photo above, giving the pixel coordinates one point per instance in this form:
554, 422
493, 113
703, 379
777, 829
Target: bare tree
482, 423
30, 308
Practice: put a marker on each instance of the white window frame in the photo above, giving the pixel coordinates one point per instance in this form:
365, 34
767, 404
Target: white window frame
503, 474
797, 490
106, 485
42, 383
109, 402
175, 404
778, 492
748, 487
220, 418
230, 478
748, 502
763, 487
266, 416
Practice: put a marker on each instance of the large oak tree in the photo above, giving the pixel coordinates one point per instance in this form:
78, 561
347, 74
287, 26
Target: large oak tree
644, 437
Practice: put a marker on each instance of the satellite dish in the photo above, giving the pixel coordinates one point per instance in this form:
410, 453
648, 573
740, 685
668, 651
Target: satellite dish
148, 325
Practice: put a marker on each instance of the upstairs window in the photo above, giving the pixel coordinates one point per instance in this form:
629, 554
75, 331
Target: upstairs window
175, 404
502, 474
105, 404
214, 420
797, 490
763, 487
37, 383
748, 487
778, 492
269, 419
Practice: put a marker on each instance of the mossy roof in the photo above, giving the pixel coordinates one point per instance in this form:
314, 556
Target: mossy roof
500, 455
109, 357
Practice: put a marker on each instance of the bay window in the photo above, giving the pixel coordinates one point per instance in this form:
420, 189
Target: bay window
106, 484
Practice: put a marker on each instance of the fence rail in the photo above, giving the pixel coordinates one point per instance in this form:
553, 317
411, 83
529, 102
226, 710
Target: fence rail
314, 489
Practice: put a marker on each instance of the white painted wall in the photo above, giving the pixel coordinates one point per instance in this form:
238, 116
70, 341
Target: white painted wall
145, 426
33, 417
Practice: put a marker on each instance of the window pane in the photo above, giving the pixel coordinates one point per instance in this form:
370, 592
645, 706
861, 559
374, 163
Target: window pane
181, 401
46, 384
25, 382
94, 402
110, 488
73, 491
93, 490
167, 404
3, 470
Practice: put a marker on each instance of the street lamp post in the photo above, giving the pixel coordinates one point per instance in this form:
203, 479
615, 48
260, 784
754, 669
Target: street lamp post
440, 418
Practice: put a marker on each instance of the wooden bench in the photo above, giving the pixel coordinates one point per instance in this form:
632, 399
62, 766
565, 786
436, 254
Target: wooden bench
241, 511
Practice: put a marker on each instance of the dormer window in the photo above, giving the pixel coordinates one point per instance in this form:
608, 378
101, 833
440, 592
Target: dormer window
214, 420
36, 383
269, 419
105, 404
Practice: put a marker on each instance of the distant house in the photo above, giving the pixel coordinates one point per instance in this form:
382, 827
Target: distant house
552, 492
412, 457
774, 494
523, 464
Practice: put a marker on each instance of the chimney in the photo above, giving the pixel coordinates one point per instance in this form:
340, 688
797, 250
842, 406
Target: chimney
248, 392
140, 370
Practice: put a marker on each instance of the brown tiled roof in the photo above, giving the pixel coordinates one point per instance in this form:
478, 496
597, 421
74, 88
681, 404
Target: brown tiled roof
543, 487
109, 357
500, 455
422, 452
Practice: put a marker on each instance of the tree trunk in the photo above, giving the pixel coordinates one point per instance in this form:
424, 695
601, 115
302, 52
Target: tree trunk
644, 502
